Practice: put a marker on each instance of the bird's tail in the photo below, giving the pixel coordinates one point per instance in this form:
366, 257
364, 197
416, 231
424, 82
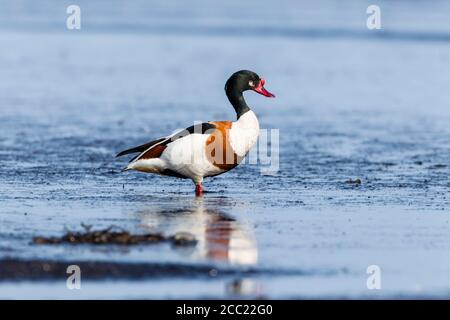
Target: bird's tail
127, 168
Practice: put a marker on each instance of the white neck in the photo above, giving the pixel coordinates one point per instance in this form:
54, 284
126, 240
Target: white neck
244, 133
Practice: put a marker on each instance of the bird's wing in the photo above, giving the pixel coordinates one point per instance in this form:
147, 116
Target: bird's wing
141, 148
156, 147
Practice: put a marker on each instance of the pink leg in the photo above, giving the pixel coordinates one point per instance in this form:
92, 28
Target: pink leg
199, 190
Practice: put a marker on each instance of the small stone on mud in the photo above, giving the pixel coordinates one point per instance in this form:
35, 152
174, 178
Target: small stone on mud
356, 181
438, 166
388, 164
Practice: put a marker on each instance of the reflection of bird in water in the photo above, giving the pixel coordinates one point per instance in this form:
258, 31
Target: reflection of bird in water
220, 237
245, 287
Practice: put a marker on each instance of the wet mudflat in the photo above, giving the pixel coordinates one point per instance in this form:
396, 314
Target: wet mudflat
364, 155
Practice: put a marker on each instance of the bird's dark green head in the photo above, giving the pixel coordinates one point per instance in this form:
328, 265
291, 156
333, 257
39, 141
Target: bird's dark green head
244, 80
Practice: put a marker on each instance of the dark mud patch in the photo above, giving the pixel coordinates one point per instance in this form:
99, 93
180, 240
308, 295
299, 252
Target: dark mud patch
39, 270
116, 236
355, 181
437, 166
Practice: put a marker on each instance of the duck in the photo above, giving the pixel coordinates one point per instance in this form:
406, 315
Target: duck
205, 149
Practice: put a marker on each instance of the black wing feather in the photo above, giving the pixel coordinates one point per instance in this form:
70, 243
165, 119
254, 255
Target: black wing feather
140, 148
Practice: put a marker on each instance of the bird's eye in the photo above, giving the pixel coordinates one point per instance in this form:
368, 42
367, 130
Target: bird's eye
250, 83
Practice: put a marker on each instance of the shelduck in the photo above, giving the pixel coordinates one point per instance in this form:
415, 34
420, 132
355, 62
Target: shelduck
205, 149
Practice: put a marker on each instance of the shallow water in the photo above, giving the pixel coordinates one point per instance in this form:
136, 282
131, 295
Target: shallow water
349, 105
